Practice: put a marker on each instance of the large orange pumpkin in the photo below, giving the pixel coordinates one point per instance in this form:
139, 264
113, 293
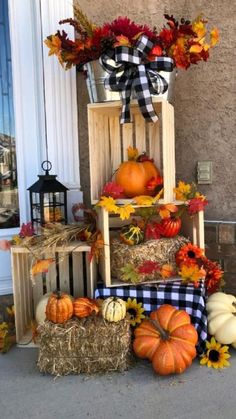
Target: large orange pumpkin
84, 307
168, 340
133, 176
59, 307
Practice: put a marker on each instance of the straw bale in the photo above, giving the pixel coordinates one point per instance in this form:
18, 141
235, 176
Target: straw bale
90, 345
161, 251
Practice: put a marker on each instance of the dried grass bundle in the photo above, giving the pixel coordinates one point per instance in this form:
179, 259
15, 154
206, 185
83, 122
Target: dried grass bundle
161, 251
90, 345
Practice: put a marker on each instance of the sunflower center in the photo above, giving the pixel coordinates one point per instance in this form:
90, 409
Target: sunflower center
191, 254
132, 312
214, 355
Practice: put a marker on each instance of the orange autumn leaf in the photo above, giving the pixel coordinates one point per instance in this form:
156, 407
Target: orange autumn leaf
96, 247
167, 271
214, 37
132, 153
123, 41
53, 42
166, 210
41, 266
196, 49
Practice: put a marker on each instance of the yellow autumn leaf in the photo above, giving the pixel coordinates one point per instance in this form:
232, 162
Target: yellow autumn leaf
214, 34
196, 49
166, 210
132, 153
53, 42
108, 203
182, 191
143, 200
191, 273
199, 27
125, 211
158, 196
41, 266
10, 311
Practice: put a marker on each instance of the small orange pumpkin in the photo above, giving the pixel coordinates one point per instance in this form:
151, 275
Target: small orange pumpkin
84, 307
59, 307
170, 226
133, 176
167, 339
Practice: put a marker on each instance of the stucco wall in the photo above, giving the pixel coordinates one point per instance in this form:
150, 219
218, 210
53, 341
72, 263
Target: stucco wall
205, 97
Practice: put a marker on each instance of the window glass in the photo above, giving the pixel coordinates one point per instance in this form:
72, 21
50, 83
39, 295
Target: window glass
9, 205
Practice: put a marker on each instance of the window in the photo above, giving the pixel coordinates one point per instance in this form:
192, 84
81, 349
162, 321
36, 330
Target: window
9, 205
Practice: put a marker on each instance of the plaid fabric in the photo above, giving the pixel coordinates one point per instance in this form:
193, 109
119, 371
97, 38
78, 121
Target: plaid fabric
182, 297
128, 70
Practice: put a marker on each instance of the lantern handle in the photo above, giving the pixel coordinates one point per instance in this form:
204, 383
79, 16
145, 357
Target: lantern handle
46, 168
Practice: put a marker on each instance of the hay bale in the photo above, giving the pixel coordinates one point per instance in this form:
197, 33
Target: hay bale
161, 251
90, 345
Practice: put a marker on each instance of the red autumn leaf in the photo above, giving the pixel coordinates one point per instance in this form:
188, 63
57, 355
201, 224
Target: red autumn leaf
26, 230
113, 190
153, 231
148, 267
195, 205
154, 182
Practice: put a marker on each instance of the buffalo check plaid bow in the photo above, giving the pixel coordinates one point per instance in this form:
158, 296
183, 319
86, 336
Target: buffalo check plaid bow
128, 70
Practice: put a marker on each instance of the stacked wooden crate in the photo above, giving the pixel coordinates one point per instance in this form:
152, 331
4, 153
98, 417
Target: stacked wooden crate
108, 143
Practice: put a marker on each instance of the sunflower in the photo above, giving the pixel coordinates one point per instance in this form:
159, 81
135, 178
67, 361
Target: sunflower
216, 355
134, 311
189, 255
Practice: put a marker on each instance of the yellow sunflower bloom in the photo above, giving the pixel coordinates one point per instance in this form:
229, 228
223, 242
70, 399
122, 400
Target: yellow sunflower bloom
182, 191
216, 355
134, 311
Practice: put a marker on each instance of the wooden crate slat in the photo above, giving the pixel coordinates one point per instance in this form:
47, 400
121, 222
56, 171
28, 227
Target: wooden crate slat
78, 274
64, 271
51, 275
94, 162
37, 289
140, 132
167, 144
127, 138
17, 295
90, 275
115, 145
154, 143
104, 261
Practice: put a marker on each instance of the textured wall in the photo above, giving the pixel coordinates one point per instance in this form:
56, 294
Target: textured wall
205, 97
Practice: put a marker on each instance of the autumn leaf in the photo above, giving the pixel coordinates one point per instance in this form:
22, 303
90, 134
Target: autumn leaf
153, 231
123, 41
108, 203
214, 34
192, 273
26, 230
196, 49
165, 211
113, 189
97, 246
125, 211
195, 205
53, 42
167, 271
182, 191
143, 200
41, 266
158, 196
129, 274
148, 267
154, 182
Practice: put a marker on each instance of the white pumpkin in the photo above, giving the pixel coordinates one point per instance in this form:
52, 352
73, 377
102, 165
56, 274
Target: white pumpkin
113, 309
40, 312
221, 309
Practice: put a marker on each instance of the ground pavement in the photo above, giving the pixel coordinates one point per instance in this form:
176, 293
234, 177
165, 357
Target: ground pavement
198, 393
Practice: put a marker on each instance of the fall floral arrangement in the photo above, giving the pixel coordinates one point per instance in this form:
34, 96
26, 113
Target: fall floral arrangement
185, 41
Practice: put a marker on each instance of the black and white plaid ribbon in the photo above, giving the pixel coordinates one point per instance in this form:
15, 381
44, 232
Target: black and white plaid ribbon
127, 69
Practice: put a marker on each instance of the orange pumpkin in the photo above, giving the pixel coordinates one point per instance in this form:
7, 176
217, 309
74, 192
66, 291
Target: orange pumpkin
168, 340
84, 307
59, 307
170, 226
133, 177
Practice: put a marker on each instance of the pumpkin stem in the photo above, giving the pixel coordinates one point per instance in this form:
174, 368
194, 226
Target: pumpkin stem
164, 334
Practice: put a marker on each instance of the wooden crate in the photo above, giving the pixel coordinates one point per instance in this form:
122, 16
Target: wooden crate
71, 272
192, 228
109, 140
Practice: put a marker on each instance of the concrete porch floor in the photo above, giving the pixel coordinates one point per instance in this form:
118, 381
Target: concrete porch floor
198, 393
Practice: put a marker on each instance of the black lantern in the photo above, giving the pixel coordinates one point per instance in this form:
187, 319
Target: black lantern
48, 200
